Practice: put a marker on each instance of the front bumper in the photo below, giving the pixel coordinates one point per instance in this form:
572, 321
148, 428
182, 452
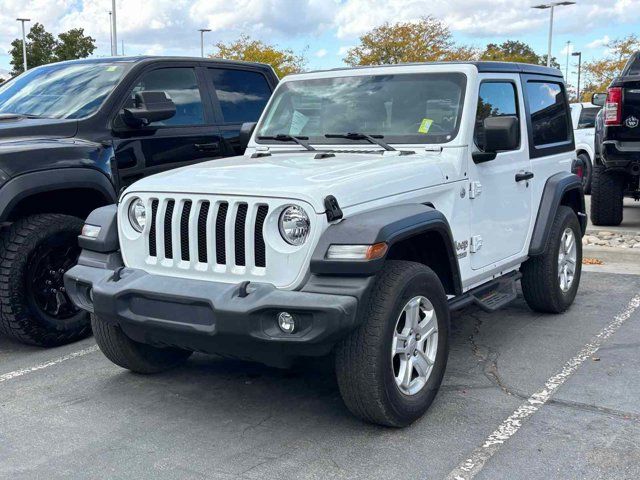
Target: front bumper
213, 317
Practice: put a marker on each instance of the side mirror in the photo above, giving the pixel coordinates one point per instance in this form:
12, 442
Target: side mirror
599, 99
500, 134
149, 107
246, 130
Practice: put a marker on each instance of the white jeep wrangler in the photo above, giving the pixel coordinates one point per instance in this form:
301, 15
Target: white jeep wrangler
369, 204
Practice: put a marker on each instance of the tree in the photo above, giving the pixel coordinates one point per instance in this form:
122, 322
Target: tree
43, 48
283, 61
600, 73
511, 51
426, 40
74, 44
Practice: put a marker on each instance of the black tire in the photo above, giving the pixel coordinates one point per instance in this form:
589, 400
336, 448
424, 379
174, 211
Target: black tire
540, 274
364, 369
607, 195
28, 313
134, 356
587, 172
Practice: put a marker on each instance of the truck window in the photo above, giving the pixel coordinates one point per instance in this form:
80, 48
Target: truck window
242, 94
181, 85
588, 117
496, 99
549, 113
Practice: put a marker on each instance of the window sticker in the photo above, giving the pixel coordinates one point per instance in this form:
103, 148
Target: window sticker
425, 125
298, 122
112, 68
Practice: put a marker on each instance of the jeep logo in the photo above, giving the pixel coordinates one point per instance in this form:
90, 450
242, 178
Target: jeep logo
631, 122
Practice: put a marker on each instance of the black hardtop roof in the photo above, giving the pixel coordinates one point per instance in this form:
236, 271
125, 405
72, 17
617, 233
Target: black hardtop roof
158, 58
483, 67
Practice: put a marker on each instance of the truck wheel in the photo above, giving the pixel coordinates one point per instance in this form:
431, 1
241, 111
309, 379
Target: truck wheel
35, 252
585, 172
607, 194
390, 368
550, 281
134, 356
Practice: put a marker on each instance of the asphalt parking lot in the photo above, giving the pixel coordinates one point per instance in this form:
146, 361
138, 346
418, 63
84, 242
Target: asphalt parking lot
69, 413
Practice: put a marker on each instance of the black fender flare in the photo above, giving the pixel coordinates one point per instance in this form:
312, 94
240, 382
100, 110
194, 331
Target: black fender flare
390, 225
555, 189
28, 184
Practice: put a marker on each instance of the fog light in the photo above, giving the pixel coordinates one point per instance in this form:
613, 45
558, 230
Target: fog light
286, 322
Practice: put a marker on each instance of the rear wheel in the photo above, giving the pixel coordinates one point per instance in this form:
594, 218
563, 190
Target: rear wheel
35, 252
389, 370
607, 195
584, 169
134, 356
550, 281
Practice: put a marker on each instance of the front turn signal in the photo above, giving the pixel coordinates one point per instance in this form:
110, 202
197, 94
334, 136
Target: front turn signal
357, 252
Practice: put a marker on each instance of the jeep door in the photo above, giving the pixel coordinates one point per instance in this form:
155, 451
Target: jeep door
500, 193
238, 95
190, 136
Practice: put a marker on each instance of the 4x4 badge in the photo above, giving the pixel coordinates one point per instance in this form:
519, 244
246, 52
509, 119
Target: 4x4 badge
631, 122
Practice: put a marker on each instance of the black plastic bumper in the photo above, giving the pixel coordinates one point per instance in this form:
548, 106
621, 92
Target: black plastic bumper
622, 155
211, 316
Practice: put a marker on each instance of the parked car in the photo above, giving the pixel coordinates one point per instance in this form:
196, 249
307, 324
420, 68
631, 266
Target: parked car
73, 134
617, 170
583, 116
369, 204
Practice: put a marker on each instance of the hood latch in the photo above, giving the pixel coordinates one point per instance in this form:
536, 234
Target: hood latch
333, 210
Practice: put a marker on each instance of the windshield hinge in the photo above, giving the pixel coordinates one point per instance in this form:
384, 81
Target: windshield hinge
333, 210
433, 149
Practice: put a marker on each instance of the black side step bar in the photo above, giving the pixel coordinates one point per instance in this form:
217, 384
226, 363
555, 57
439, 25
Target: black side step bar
491, 296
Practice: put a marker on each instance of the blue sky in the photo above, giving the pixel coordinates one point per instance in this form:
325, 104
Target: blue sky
323, 29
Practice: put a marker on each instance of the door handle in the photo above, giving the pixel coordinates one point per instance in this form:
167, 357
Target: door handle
521, 176
208, 147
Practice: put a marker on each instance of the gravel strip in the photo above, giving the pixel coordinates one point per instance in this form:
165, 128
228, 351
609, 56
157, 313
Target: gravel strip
610, 239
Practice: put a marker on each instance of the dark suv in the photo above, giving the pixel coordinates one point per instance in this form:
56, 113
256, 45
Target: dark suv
73, 134
616, 173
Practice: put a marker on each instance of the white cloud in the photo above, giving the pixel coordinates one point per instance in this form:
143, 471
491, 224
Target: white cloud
321, 53
599, 42
343, 50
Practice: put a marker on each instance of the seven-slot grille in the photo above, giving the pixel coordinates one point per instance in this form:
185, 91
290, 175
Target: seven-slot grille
219, 233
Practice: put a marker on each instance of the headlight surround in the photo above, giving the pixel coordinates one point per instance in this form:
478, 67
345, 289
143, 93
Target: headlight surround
294, 225
137, 214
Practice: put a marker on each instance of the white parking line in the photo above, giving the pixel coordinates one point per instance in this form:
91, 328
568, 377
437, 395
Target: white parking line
18, 373
470, 467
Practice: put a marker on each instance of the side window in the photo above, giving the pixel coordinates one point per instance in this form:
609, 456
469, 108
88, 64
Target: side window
242, 94
549, 113
496, 99
181, 85
588, 117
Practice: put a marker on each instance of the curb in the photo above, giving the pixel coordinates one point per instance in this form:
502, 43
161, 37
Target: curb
612, 254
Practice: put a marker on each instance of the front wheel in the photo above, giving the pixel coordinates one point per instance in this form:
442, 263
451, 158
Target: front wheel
550, 281
389, 370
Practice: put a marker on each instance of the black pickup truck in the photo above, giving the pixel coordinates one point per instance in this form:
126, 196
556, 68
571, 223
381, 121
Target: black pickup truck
616, 171
73, 134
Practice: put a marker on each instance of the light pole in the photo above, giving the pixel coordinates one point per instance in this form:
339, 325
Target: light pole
24, 42
552, 6
110, 32
114, 31
579, 55
202, 31
566, 75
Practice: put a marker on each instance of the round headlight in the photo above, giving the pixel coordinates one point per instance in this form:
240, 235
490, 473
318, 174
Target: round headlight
294, 225
137, 215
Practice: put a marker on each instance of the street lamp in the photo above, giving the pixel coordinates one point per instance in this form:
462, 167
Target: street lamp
110, 32
114, 30
579, 55
24, 42
202, 31
552, 6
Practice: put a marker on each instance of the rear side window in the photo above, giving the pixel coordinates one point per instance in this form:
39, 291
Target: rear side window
496, 99
242, 94
181, 85
588, 117
549, 113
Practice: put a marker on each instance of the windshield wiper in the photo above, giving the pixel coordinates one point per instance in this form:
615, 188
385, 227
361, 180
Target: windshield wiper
282, 137
375, 139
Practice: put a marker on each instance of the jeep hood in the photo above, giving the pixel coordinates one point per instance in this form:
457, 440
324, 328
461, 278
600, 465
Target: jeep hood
353, 178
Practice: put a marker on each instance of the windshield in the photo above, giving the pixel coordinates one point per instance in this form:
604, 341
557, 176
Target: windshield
73, 90
404, 108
